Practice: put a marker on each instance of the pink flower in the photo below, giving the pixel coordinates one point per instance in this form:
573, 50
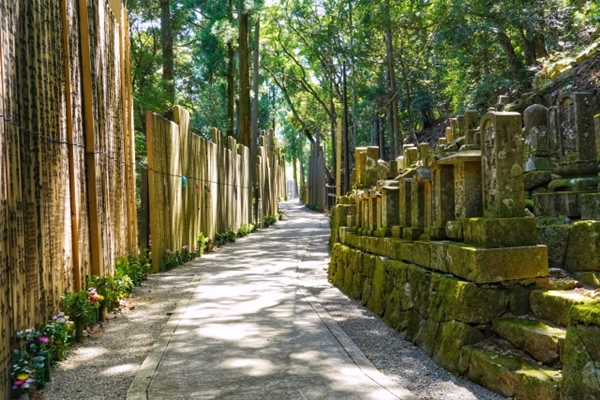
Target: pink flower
43, 339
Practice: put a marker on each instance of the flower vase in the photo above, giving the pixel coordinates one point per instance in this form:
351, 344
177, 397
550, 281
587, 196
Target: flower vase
101, 312
79, 331
46, 355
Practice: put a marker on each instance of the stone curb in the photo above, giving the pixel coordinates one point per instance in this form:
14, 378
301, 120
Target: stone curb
143, 379
353, 351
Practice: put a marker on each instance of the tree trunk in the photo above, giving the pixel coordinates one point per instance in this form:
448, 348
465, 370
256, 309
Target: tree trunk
509, 51
255, 76
166, 42
244, 77
230, 81
294, 166
391, 75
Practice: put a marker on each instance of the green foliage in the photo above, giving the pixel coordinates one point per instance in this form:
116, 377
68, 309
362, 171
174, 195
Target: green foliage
314, 207
223, 238
246, 229
58, 331
202, 243
77, 306
269, 220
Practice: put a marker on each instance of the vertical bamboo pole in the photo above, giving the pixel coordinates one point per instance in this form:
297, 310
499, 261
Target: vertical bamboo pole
71, 151
154, 224
90, 144
127, 131
338, 162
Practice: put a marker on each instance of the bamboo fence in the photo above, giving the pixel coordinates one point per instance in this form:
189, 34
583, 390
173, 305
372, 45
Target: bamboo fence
215, 196
67, 198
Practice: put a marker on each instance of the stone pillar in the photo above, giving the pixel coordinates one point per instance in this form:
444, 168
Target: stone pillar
455, 128
468, 200
442, 199
389, 205
471, 123
417, 211
425, 153
553, 128
404, 216
360, 159
411, 156
537, 138
577, 141
462, 125
449, 136
502, 165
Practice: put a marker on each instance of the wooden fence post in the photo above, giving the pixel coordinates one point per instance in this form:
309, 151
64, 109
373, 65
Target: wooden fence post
97, 254
72, 190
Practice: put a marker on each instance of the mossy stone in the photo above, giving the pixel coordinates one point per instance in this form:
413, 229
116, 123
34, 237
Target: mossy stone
392, 309
556, 238
439, 256
366, 292
409, 324
497, 265
591, 278
357, 285
554, 305
513, 377
534, 179
376, 302
580, 371
518, 299
541, 341
425, 338
583, 250
421, 253
467, 302
453, 335
420, 280
586, 314
500, 232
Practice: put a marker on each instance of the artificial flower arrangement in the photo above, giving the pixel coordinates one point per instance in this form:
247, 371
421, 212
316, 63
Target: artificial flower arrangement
58, 331
79, 307
28, 361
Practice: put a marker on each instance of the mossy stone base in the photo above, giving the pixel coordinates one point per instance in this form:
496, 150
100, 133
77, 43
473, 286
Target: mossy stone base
554, 305
500, 232
396, 231
497, 265
451, 337
412, 233
581, 362
583, 250
558, 203
511, 376
470, 303
590, 206
541, 341
556, 238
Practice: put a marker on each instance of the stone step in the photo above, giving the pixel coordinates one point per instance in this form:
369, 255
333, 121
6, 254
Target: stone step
542, 342
509, 374
554, 305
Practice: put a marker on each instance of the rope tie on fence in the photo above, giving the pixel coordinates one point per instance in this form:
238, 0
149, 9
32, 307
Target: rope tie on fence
51, 140
199, 179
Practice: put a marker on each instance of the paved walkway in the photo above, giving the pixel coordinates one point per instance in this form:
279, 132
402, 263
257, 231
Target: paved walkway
250, 330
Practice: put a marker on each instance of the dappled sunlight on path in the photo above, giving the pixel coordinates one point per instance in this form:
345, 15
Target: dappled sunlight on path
250, 331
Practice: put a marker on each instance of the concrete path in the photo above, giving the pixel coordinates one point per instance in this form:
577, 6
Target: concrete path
250, 330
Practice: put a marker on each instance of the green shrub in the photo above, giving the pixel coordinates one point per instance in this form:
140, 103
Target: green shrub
202, 243
246, 229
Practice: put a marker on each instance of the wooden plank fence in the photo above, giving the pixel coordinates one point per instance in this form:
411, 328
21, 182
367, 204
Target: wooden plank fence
67, 198
215, 196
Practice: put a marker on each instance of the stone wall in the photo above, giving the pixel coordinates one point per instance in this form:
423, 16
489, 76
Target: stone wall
449, 253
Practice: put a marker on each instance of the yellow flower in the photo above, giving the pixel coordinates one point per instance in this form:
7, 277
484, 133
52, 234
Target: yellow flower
22, 377
100, 297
